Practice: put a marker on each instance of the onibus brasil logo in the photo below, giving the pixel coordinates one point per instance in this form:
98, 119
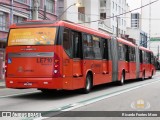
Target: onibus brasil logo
140, 105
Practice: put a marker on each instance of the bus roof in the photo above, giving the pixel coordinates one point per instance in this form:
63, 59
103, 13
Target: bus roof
47, 23
145, 49
126, 42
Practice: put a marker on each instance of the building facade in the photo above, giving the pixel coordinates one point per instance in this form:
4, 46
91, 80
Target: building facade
119, 24
155, 45
97, 14
140, 37
150, 23
14, 11
134, 30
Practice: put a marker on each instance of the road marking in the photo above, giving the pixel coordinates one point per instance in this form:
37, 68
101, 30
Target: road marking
13, 95
96, 99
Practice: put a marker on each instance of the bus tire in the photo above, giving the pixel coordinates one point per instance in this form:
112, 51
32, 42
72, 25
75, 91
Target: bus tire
151, 75
88, 84
143, 76
121, 82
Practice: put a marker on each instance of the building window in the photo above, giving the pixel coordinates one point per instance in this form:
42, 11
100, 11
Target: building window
18, 19
50, 6
113, 29
119, 21
116, 7
113, 5
122, 22
40, 4
22, 1
103, 15
119, 10
3, 22
81, 13
113, 16
102, 3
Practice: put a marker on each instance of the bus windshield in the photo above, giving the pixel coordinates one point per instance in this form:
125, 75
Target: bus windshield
32, 36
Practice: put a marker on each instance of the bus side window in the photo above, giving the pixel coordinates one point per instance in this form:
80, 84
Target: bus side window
67, 42
121, 51
132, 54
141, 56
144, 57
126, 50
87, 46
96, 47
105, 50
152, 58
77, 49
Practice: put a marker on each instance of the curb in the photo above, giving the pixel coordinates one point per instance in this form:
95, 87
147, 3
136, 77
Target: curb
2, 84
1, 81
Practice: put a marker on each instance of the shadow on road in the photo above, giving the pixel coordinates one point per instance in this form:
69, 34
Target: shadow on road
62, 94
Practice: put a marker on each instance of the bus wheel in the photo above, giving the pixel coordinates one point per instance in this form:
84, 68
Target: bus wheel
143, 76
88, 85
121, 82
151, 75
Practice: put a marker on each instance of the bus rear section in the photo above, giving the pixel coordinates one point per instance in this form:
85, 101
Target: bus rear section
32, 59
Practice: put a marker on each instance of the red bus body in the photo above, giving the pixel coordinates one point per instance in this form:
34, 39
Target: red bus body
50, 67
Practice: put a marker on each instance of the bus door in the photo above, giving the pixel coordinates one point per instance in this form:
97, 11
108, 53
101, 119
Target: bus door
141, 60
127, 58
77, 54
132, 62
105, 69
88, 53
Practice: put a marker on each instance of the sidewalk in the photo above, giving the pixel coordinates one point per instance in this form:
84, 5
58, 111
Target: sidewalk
2, 83
2, 80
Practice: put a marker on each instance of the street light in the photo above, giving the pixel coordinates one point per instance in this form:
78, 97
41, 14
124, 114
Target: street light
75, 4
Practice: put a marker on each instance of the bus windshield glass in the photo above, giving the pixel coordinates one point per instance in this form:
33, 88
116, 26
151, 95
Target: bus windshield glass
32, 36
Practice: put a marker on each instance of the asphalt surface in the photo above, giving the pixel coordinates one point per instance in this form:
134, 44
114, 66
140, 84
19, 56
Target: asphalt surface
108, 97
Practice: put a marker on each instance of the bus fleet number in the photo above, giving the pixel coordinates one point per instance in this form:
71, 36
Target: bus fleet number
44, 60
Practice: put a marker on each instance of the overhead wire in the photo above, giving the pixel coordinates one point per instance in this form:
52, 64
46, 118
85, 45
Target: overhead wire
122, 13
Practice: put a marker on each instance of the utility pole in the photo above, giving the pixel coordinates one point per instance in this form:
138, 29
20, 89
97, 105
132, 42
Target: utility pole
35, 10
11, 14
141, 14
158, 53
150, 23
45, 17
117, 32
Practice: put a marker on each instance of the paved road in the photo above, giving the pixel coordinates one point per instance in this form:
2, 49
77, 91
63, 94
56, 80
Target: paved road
108, 97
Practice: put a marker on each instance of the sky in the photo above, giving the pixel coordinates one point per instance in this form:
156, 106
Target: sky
134, 4
155, 19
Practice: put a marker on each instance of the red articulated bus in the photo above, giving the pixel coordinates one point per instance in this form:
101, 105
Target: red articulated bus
62, 55
147, 68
